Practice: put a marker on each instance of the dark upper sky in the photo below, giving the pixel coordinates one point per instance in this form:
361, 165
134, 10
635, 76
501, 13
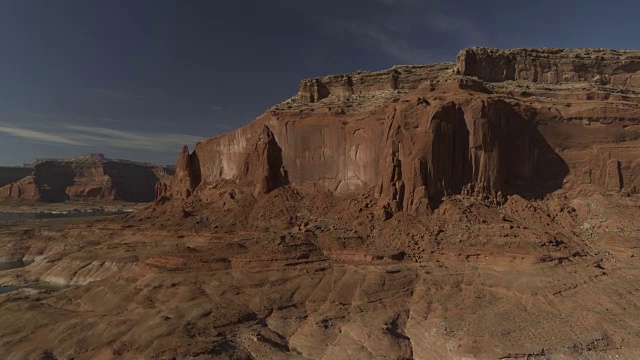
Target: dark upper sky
136, 79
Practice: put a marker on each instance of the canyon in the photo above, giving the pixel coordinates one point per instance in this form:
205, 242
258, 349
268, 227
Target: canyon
480, 209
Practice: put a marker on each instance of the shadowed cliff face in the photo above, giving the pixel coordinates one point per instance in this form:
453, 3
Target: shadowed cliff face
53, 180
269, 169
480, 147
132, 182
413, 135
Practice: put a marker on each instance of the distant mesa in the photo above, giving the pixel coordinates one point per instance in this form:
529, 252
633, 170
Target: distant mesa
494, 123
85, 177
82, 158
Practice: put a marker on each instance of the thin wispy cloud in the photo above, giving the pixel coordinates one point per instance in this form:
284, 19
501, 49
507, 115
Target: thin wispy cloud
30, 114
38, 135
101, 137
387, 42
407, 30
115, 94
465, 29
57, 116
132, 140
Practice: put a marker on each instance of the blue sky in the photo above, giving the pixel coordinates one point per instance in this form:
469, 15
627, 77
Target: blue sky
137, 79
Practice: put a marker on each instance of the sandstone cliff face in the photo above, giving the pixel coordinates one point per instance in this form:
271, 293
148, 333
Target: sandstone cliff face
552, 66
413, 135
344, 86
57, 181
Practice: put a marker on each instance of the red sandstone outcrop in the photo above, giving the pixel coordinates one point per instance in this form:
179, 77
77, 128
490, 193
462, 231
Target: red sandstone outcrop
88, 178
552, 66
416, 134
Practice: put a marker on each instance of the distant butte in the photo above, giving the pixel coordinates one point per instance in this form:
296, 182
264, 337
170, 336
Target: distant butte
86, 177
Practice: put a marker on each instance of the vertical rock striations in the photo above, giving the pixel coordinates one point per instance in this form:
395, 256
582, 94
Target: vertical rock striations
186, 177
552, 66
413, 135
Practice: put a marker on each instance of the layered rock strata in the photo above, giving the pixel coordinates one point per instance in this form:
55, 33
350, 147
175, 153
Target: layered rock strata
497, 122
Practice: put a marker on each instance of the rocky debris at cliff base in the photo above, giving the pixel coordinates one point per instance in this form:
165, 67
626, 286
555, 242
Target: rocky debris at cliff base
315, 278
